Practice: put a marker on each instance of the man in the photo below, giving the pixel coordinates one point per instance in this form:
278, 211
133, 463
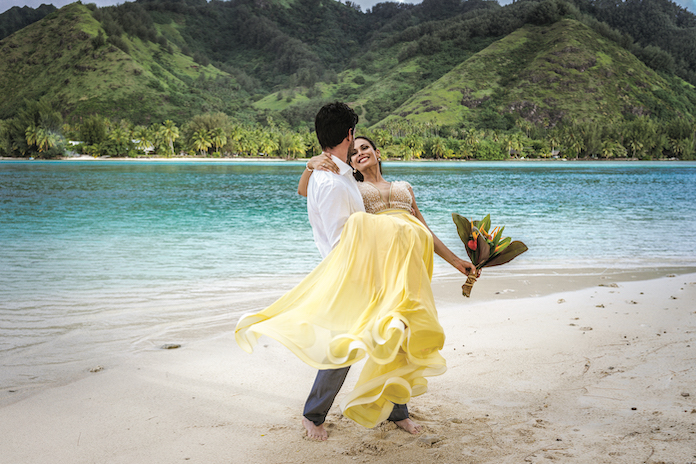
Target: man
331, 199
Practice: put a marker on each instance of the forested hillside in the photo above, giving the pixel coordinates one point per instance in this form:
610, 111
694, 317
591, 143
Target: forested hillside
664, 32
17, 18
523, 75
85, 69
547, 75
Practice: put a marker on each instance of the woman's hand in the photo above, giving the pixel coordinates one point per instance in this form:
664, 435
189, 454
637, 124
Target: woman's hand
466, 267
322, 162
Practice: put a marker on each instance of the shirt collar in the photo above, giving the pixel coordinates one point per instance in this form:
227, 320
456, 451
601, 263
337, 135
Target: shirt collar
342, 166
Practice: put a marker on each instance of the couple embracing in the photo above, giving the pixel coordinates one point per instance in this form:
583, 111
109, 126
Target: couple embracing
370, 297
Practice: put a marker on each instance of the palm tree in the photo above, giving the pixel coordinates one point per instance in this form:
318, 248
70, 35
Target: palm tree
170, 133
266, 142
159, 142
575, 144
311, 143
383, 138
201, 141
609, 149
121, 138
661, 143
518, 142
510, 142
43, 139
472, 138
455, 147
31, 135
439, 148
143, 137
248, 142
236, 134
682, 147
635, 146
218, 138
471, 141
296, 145
413, 147
555, 141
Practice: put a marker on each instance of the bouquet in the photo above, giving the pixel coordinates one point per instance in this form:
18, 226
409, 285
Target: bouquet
484, 246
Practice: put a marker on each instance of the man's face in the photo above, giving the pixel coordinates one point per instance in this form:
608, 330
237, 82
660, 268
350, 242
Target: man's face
351, 149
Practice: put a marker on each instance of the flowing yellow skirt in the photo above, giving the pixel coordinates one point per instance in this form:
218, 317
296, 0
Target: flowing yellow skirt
371, 296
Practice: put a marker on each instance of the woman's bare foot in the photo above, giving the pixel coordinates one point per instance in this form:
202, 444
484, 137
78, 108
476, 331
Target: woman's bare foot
409, 426
315, 432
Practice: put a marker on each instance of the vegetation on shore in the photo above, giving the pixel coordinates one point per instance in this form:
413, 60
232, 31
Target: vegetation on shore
217, 135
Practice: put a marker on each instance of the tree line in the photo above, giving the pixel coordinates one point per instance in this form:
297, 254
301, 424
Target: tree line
17, 18
38, 131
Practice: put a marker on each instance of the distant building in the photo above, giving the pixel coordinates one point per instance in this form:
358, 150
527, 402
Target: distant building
148, 150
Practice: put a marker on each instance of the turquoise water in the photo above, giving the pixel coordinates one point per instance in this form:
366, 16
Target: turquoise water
103, 257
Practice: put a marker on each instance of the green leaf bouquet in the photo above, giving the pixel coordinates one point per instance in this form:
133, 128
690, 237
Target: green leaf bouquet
485, 246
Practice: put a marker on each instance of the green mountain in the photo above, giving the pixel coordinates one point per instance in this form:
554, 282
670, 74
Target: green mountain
17, 18
546, 74
67, 57
151, 60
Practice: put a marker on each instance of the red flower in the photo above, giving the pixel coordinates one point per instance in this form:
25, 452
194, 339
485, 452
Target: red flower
472, 245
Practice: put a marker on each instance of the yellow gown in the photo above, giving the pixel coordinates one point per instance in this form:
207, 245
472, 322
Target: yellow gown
370, 297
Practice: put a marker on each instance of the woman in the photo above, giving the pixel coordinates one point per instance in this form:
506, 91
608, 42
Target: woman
376, 191
370, 297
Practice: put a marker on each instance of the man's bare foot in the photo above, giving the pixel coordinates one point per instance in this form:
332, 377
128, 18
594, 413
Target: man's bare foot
409, 426
315, 432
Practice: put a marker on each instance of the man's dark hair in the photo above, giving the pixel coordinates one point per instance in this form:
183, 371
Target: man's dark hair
333, 122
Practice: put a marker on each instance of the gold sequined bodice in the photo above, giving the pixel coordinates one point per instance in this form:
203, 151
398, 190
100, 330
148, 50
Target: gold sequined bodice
399, 197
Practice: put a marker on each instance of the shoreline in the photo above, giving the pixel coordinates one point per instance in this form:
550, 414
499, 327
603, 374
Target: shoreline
595, 366
496, 285
273, 159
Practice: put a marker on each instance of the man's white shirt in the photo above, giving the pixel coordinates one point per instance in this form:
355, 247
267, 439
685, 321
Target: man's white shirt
331, 199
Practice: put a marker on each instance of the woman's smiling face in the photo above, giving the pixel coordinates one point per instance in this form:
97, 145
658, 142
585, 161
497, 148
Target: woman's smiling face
364, 156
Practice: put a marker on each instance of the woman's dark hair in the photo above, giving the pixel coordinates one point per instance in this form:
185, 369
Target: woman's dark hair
333, 123
358, 176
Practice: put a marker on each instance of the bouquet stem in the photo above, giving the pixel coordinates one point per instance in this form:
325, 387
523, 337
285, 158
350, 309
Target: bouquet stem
466, 288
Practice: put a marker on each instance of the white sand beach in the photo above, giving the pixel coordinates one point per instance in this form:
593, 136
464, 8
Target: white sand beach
569, 367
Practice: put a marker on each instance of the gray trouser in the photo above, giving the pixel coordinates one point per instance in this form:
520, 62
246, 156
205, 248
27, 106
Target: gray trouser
324, 391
